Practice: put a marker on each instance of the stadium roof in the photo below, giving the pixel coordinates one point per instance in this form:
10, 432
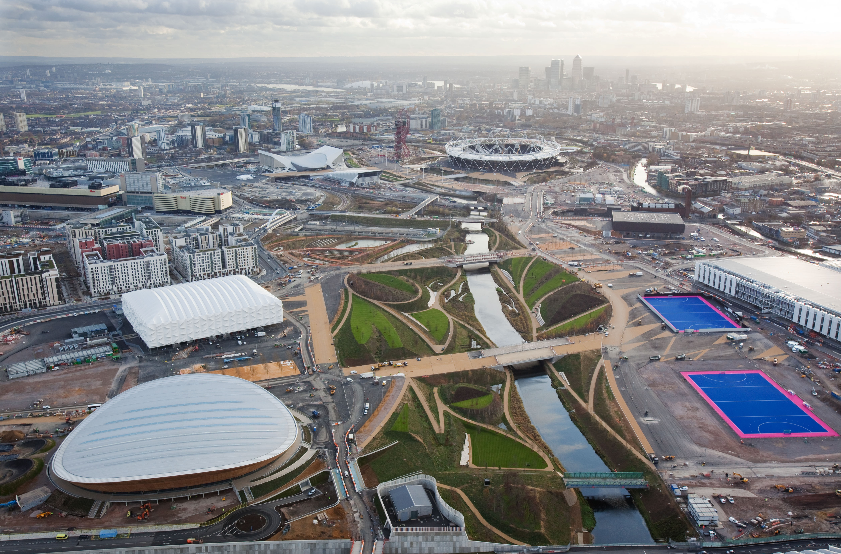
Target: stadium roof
190, 311
181, 425
322, 158
812, 282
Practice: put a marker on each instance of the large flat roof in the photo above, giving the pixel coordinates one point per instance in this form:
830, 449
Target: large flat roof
647, 217
811, 282
181, 425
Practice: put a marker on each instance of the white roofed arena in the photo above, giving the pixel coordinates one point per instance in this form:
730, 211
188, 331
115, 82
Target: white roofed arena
190, 311
176, 433
504, 154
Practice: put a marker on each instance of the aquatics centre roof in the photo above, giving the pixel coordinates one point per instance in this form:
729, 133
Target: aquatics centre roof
176, 426
190, 311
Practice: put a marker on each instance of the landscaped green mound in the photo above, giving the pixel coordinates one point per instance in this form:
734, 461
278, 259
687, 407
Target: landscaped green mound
383, 287
436, 323
569, 302
515, 268
543, 278
371, 334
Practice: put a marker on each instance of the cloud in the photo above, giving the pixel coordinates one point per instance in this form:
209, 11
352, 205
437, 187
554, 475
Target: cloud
232, 28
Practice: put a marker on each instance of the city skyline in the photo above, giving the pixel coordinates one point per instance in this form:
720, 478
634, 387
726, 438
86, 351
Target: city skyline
226, 29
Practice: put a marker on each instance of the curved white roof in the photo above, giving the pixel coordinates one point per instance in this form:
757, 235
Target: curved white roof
181, 425
181, 313
322, 158
492, 149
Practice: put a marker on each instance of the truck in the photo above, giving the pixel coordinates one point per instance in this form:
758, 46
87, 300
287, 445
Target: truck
635, 274
736, 336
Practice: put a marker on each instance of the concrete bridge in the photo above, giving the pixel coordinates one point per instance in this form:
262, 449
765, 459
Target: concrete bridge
426, 202
626, 480
475, 259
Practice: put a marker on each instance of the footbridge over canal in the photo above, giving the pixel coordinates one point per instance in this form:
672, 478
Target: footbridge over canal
469, 259
625, 480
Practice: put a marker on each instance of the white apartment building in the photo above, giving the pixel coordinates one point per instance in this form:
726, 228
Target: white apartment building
107, 277
28, 281
203, 254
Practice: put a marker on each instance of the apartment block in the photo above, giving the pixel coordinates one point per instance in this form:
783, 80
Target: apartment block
201, 253
28, 280
106, 277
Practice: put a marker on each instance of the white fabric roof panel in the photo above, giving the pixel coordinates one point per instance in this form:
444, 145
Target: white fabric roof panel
190, 311
180, 425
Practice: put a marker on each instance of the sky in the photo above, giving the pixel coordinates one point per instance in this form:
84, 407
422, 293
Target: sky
282, 28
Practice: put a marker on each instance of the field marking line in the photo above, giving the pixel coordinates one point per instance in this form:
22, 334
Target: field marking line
669, 347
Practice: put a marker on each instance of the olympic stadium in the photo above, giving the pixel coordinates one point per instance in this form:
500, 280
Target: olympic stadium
504, 154
179, 432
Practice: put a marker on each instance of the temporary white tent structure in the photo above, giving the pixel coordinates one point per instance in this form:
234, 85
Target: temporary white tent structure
181, 313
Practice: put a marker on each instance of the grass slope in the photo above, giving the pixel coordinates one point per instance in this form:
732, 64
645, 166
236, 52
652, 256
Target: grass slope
436, 322
390, 281
491, 449
561, 279
365, 317
475, 403
538, 269
516, 266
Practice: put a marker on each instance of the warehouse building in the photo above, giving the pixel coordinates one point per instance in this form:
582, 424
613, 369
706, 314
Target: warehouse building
191, 311
803, 293
410, 502
179, 432
656, 224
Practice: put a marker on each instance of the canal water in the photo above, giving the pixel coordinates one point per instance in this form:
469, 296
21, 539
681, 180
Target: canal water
617, 519
641, 177
487, 306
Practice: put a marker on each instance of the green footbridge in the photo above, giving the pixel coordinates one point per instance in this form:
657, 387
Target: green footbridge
627, 480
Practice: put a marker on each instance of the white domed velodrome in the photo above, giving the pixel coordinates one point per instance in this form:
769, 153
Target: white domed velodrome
504, 154
177, 432
190, 311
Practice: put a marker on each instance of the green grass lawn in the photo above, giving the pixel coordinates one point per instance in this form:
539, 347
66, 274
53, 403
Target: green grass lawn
401, 424
536, 272
365, 316
475, 403
390, 281
561, 279
436, 322
491, 449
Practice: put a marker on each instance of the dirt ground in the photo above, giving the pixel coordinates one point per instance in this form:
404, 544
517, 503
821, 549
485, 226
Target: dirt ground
705, 428
336, 526
813, 504
192, 511
73, 385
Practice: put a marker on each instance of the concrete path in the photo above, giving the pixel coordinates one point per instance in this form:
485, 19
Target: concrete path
371, 427
611, 379
322, 338
347, 311
437, 427
481, 519
593, 385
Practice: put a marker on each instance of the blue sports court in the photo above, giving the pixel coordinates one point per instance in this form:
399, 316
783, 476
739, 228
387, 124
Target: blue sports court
689, 313
755, 406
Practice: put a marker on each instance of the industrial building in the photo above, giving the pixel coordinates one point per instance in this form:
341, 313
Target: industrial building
702, 511
806, 294
81, 194
208, 201
139, 188
190, 311
176, 433
410, 502
655, 224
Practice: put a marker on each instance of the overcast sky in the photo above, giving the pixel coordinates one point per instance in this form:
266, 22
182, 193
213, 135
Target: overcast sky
279, 28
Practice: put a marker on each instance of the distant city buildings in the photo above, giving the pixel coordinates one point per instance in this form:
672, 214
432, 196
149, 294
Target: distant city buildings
20, 122
305, 124
241, 139
523, 82
577, 72
199, 135
277, 123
